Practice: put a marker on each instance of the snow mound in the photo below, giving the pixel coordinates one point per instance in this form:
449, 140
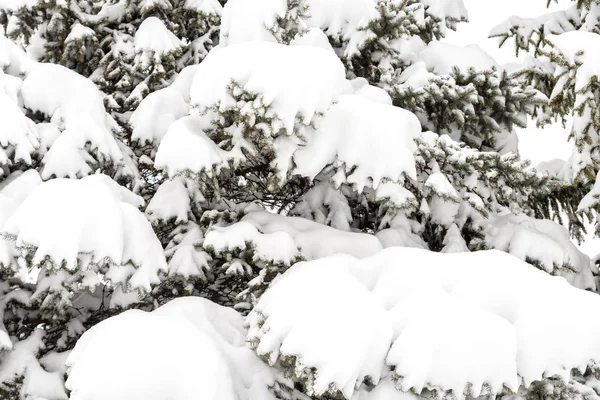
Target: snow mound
504, 323
200, 346
544, 242
265, 68
82, 224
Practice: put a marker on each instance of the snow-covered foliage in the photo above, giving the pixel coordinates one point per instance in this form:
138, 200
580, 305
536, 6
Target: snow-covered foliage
566, 69
128, 48
208, 360
370, 320
302, 163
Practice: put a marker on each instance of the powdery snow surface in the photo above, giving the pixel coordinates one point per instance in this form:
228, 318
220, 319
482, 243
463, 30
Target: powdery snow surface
86, 222
504, 322
188, 349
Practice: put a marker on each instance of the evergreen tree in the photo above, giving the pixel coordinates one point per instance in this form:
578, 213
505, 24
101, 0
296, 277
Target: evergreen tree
317, 135
128, 49
562, 67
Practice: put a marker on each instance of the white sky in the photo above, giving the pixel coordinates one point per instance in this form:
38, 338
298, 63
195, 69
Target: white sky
535, 144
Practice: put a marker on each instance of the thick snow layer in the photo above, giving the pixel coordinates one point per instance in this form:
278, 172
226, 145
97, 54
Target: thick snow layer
504, 322
186, 148
266, 69
76, 106
153, 40
19, 136
79, 32
354, 330
85, 223
278, 247
441, 58
188, 349
342, 136
206, 7
171, 201
12, 59
360, 113
151, 120
251, 20
38, 383
340, 18
326, 205
543, 241
309, 236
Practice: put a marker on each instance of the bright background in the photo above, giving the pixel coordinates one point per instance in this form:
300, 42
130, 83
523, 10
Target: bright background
535, 144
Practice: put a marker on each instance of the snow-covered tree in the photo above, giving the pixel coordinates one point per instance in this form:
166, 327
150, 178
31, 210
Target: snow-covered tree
563, 66
74, 246
128, 48
284, 178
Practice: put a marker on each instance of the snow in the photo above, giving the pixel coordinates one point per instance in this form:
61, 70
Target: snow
79, 32
334, 138
154, 38
37, 382
309, 236
188, 349
340, 19
440, 58
18, 136
552, 23
264, 68
313, 37
171, 200
86, 223
277, 247
250, 20
186, 148
357, 331
207, 7
543, 241
247, 20
76, 106
325, 205
151, 120
504, 322
341, 136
